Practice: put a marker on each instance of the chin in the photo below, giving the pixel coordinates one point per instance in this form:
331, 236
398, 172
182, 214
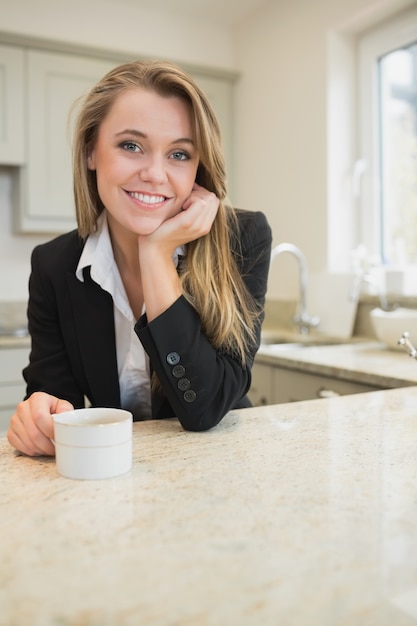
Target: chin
145, 225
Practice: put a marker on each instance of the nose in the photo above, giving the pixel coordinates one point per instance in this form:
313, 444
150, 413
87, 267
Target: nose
153, 169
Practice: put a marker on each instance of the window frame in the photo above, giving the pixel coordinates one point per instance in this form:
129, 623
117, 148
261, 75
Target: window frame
371, 45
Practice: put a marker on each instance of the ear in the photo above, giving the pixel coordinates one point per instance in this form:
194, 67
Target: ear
91, 160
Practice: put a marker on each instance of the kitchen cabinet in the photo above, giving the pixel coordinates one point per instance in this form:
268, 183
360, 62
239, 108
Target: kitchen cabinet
56, 82
294, 386
12, 124
276, 385
12, 385
261, 390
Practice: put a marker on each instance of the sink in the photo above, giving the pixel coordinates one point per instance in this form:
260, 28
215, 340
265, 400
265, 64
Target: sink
278, 347
390, 325
20, 331
288, 339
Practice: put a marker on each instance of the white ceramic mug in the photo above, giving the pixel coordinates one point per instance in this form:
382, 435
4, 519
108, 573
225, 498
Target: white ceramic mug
93, 443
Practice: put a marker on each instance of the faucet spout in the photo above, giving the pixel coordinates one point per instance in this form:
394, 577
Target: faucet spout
302, 319
366, 278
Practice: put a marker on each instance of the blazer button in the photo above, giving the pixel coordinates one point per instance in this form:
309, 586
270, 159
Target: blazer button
184, 384
173, 358
190, 395
178, 371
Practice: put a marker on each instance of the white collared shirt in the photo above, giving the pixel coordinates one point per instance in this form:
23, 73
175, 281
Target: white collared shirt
132, 360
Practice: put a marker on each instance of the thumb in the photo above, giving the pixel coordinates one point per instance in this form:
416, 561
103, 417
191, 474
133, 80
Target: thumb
62, 406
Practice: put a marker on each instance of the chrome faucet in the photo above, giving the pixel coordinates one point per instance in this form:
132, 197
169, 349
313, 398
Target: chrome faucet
301, 319
366, 278
405, 342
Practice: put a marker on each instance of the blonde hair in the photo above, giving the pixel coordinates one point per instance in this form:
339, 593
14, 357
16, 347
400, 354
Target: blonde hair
210, 277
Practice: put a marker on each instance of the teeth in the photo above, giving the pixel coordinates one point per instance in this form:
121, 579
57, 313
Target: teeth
143, 197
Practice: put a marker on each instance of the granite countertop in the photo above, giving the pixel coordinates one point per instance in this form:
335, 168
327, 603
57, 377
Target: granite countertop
297, 514
13, 325
10, 341
358, 360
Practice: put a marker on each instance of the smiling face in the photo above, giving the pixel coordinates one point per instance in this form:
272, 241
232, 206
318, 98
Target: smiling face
145, 159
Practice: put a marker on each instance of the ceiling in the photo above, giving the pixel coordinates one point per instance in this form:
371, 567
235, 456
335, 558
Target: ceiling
225, 11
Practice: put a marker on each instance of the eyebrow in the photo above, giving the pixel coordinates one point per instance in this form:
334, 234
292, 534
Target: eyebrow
142, 135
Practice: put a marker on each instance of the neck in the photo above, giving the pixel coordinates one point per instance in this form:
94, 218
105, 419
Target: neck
125, 248
126, 255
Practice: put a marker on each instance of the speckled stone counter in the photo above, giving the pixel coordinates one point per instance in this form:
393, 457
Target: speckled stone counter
294, 515
13, 324
14, 342
367, 362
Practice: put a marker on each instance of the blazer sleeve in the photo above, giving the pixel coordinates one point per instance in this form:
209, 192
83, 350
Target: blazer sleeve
201, 383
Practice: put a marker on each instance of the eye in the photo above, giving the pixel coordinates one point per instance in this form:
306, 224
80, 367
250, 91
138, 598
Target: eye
180, 155
130, 146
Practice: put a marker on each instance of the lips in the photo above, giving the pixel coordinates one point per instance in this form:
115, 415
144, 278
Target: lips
147, 198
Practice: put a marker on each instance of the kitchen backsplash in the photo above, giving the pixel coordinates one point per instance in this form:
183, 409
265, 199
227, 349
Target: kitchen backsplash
279, 313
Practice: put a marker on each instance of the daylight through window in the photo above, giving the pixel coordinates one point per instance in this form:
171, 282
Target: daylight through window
387, 148
398, 155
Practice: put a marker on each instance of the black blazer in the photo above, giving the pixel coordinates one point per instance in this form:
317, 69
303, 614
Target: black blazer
73, 353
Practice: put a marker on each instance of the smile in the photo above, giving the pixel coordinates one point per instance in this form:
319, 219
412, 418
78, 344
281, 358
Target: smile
146, 198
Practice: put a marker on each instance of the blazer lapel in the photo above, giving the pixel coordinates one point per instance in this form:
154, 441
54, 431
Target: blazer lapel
92, 310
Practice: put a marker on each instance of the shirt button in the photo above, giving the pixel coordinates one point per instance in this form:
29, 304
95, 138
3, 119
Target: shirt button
173, 358
190, 395
184, 384
178, 371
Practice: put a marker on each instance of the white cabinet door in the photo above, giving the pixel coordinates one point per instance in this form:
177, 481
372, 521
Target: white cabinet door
12, 127
260, 392
294, 386
12, 385
55, 83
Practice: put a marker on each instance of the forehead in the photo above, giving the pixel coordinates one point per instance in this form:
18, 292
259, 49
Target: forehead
140, 107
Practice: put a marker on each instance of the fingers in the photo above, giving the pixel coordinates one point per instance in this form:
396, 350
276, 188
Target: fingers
62, 406
205, 200
193, 222
199, 212
26, 436
32, 428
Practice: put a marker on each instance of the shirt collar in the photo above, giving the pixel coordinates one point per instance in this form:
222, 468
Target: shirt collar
98, 253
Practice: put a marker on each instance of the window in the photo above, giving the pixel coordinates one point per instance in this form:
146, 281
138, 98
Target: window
397, 80
387, 167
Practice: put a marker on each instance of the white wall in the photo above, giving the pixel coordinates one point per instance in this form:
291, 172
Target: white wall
120, 26
296, 60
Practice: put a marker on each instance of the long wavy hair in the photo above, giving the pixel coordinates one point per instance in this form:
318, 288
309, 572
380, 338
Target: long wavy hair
210, 277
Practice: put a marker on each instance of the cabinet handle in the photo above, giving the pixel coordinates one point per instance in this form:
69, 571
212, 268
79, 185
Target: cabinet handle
322, 392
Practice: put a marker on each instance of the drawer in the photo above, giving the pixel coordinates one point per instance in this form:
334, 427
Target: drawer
295, 386
12, 361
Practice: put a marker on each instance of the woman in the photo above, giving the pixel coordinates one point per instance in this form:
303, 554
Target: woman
155, 303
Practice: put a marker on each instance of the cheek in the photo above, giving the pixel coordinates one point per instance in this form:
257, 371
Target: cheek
186, 182
110, 171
